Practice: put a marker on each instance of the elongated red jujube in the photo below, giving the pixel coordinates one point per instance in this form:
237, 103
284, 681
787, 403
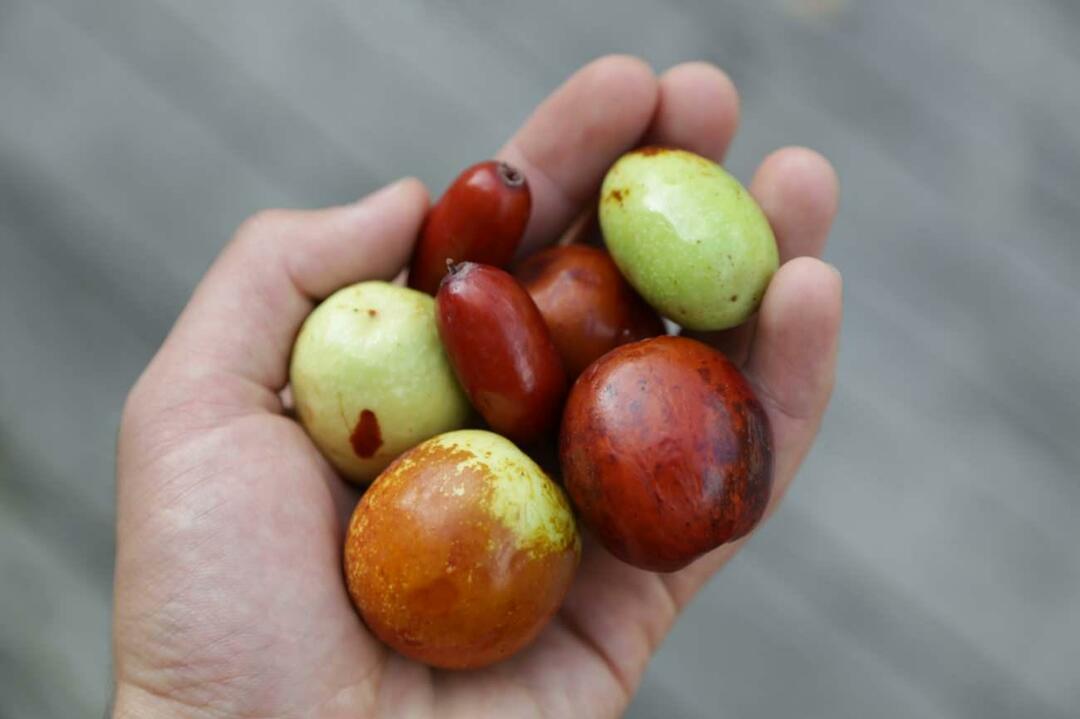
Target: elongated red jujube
588, 306
666, 452
480, 218
500, 350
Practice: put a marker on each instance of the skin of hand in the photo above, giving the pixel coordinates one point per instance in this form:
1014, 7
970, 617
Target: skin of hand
229, 594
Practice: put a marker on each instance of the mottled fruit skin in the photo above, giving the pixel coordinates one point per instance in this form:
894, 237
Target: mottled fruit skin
501, 350
687, 236
460, 551
587, 305
370, 379
480, 218
666, 452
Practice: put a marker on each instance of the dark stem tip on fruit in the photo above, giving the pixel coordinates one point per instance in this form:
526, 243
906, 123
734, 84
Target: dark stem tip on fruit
455, 268
510, 175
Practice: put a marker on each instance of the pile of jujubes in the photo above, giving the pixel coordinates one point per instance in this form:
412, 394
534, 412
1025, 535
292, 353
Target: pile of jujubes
459, 397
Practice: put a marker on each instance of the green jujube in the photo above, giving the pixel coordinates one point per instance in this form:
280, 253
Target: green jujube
370, 379
688, 236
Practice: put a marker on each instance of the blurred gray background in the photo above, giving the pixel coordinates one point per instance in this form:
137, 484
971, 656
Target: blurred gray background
926, 563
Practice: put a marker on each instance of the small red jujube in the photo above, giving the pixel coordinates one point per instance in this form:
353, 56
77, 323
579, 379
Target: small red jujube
481, 217
588, 306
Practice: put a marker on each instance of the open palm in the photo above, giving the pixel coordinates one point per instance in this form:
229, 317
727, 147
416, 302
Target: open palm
230, 599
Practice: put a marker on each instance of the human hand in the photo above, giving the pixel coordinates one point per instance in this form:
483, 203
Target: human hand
230, 599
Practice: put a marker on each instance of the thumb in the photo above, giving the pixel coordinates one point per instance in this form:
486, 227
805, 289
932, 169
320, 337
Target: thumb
244, 315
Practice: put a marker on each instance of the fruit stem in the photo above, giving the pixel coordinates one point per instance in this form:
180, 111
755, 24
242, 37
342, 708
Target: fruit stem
510, 175
454, 268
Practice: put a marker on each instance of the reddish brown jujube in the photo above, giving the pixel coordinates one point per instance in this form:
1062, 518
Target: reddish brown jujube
501, 351
588, 306
460, 551
480, 218
666, 452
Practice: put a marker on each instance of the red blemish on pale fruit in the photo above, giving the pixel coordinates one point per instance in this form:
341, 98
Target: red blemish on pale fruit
366, 437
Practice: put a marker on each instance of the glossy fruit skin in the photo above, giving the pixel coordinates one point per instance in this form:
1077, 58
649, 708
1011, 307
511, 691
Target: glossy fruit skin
370, 379
666, 452
480, 218
501, 351
460, 551
687, 236
587, 305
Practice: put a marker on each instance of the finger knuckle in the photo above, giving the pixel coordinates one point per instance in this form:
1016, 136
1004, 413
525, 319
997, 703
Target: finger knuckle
135, 409
260, 225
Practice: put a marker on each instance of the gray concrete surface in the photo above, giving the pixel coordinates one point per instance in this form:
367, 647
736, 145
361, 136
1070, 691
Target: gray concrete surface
926, 563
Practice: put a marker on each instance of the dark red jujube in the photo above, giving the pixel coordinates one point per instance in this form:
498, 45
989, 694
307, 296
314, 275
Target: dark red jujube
501, 351
588, 306
666, 452
481, 217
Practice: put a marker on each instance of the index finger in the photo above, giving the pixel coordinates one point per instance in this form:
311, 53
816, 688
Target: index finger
575, 135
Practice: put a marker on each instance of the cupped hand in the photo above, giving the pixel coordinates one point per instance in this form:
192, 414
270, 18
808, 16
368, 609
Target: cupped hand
229, 597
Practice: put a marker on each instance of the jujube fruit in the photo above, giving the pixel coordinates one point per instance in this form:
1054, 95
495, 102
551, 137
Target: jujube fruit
687, 236
588, 307
666, 452
370, 379
460, 551
481, 217
501, 351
